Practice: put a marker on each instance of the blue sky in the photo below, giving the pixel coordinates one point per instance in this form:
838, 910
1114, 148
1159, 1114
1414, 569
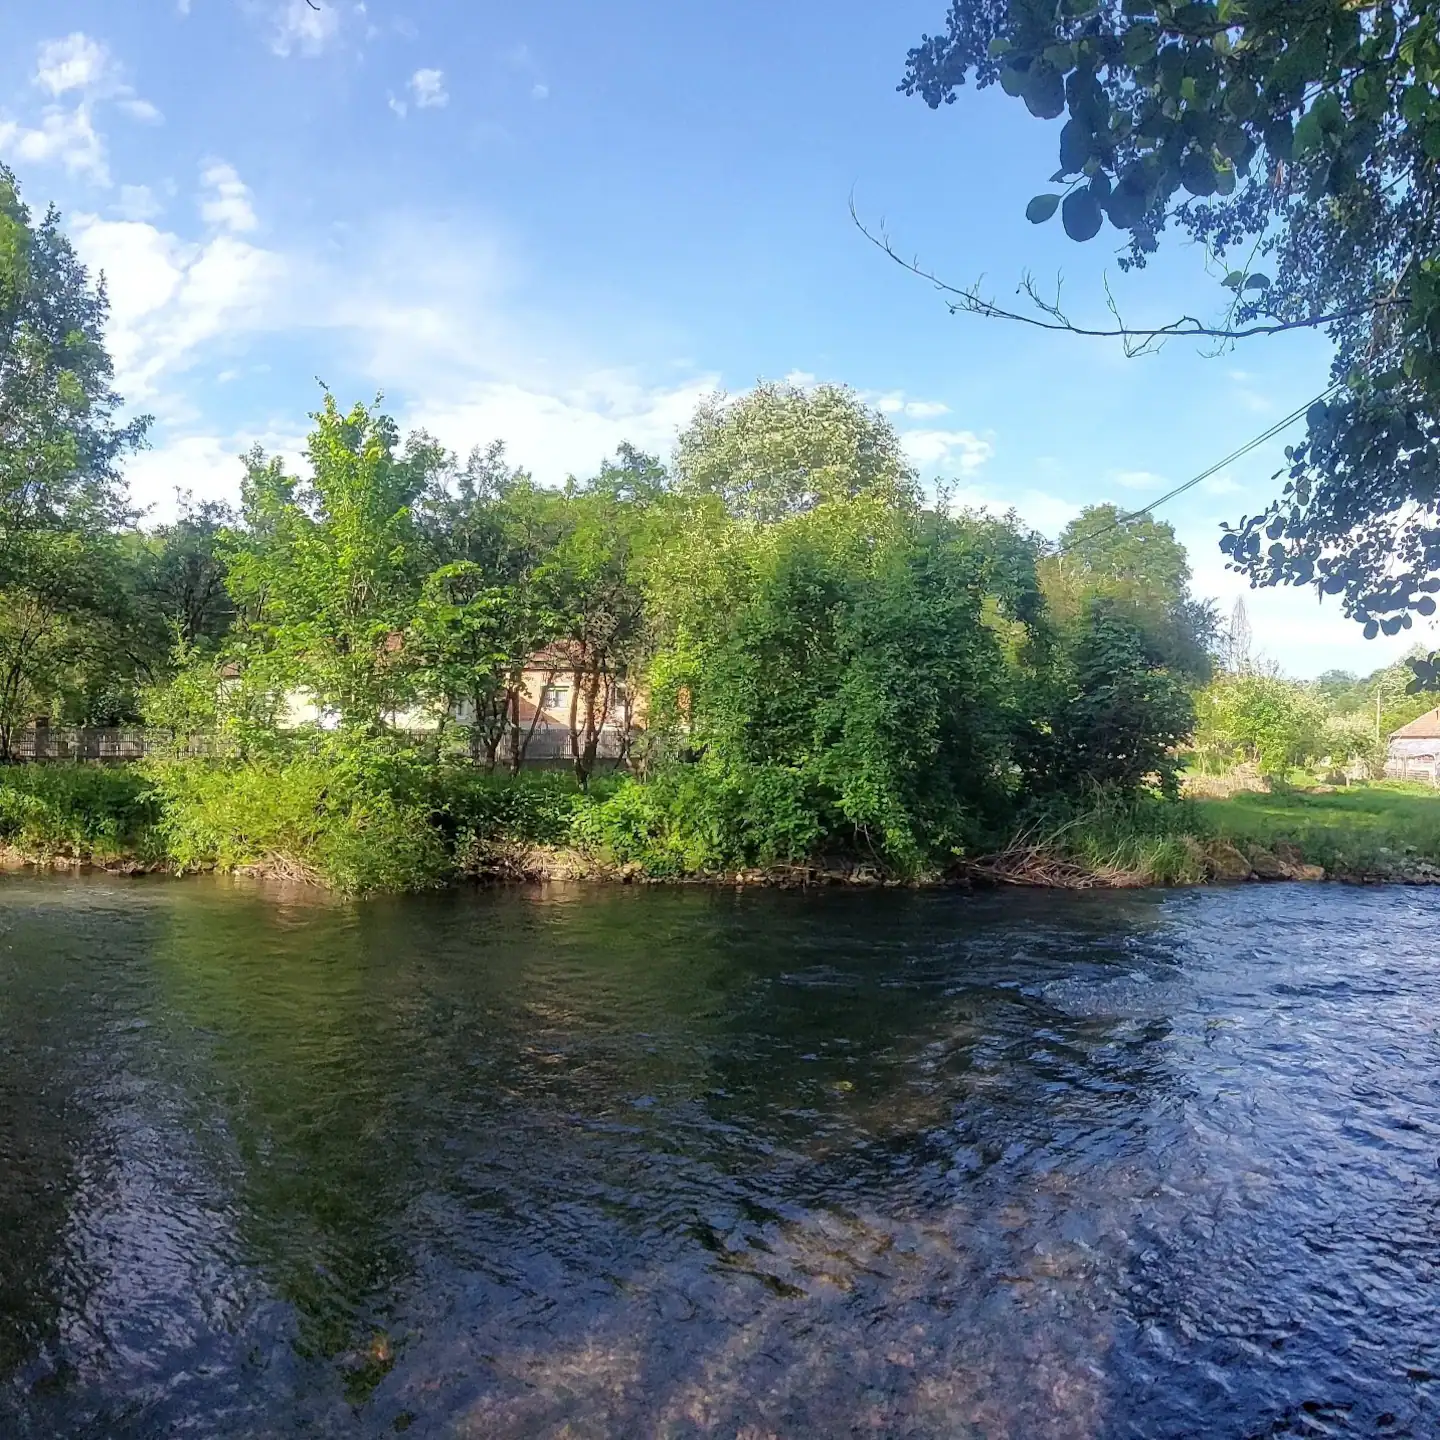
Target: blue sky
561, 223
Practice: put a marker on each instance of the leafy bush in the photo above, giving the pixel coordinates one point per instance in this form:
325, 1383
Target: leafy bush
537, 807
705, 818
351, 812
90, 812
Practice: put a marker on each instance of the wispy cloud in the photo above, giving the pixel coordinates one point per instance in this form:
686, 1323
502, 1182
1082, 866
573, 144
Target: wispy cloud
298, 28
63, 137
137, 202
953, 452
427, 89
1047, 513
79, 67
896, 402
75, 62
1221, 485
225, 199
142, 110
1138, 479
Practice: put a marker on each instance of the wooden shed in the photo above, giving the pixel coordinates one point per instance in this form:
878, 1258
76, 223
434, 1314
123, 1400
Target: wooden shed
1415, 750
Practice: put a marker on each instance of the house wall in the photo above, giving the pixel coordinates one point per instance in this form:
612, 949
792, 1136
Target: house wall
1414, 760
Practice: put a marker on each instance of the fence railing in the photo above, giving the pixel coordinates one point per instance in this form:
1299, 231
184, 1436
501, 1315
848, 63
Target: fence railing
119, 744
105, 743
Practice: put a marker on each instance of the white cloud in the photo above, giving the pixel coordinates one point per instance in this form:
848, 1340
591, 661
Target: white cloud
74, 63
539, 91
1047, 513
63, 137
399, 107
428, 89
893, 402
142, 110
1221, 485
169, 298
959, 452
225, 198
567, 431
207, 467
303, 29
1138, 479
67, 136
137, 202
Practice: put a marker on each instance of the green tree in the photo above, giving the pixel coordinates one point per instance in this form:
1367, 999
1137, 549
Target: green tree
182, 574
1264, 720
782, 448
1143, 573
1299, 140
1107, 713
591, 585
64, 644
325, 570
471, 641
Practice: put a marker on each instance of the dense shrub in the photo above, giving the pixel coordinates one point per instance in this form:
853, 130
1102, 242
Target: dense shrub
90, 812
353, 813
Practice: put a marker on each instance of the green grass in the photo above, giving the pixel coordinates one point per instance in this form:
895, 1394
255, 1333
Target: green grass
1359, 827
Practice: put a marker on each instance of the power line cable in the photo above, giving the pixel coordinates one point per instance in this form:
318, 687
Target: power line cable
1244, 450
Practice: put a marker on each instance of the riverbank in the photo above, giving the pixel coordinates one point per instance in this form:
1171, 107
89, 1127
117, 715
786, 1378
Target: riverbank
482, 829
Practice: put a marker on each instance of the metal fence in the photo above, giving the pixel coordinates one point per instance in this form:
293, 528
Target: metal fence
549, 745
109, 744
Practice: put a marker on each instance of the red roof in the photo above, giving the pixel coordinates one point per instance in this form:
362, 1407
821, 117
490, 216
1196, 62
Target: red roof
1427, 727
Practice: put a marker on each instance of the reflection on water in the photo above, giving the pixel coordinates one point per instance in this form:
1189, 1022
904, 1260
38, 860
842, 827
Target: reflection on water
639, 1162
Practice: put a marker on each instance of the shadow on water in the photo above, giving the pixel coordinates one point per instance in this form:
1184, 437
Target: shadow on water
646, 1162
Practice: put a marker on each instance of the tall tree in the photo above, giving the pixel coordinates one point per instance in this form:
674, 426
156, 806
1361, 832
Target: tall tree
62, 498
1299, 139
591, 585
324, 570
1142, 572
782, 449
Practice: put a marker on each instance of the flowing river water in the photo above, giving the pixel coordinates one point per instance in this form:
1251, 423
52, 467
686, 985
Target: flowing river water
650, 1162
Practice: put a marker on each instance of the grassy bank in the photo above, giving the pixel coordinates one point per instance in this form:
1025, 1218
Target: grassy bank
378, 819
1375, 831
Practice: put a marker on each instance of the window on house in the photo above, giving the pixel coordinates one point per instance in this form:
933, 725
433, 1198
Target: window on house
554, 697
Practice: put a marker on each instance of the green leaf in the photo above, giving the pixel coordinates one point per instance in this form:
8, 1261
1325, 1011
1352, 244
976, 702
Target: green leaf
1242, 100
1013, 80
1197, 173
1041, 208
1309, 136
1234, 280
1044, 92
1415, 104
1258, 282
1140, 40
1280, 138
1062, 57
998, 46
1075, 146
1127, 205
1081, 215
1225, 180
1431, 141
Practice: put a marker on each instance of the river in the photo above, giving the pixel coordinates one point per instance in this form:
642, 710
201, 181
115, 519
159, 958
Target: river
670, 1162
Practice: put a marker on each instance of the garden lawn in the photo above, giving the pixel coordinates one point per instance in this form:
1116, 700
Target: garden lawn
1357, 828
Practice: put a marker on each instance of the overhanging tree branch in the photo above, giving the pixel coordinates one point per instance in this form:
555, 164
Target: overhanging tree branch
968, 300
